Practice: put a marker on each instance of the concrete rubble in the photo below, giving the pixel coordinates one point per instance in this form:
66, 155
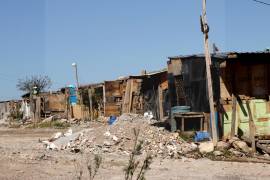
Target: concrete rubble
206, 147
119, 138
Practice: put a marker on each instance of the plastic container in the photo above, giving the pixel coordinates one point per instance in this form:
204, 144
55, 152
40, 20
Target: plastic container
180, 109
112, 120
201, 136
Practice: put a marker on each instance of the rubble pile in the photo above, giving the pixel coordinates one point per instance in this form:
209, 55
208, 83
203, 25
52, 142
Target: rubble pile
119, 138
157, 141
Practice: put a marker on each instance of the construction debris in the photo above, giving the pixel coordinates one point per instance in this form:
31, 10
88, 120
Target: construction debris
206, 147
119, 138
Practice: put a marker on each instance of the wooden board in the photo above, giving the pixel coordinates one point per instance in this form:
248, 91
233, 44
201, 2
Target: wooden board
126, 97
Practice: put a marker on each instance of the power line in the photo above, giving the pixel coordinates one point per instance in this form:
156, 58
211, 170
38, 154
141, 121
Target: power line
262, 2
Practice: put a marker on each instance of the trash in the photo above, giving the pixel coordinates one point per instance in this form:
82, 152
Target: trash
148, 115
201, 136
112, 120
206, 147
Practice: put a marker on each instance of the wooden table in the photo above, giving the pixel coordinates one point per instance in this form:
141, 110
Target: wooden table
187, 115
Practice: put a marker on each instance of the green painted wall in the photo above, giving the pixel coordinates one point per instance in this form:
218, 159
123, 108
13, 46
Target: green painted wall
260, 112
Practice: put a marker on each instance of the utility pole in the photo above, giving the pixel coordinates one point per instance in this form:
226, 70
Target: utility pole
208, 62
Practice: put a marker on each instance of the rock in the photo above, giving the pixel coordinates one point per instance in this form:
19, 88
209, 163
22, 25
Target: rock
56, 136
266, 155
218, 153
236, 153
161, 128
107, 134
233, 140
63, 120
107, 143
115, 138
68, 133
206, 147
221, 146
241, 145
52, 146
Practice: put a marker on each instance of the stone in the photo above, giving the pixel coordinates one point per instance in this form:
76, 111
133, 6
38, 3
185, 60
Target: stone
68, 133
56, 136
236, 153
233, 140
206, 147
115, 138
241, 145
63, 120
221, 146
107, 134
107, 143
218, 153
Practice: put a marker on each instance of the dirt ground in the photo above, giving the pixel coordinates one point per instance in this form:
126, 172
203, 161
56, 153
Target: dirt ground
23, 157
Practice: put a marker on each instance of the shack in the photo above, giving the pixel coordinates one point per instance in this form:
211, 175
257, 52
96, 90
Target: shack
147, 93
133, 94
49, 103
243, 77
9, 109
93, 100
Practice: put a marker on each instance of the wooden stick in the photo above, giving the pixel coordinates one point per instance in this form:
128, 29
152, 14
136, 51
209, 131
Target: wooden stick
104, 98
251, 127
205, 29
126, 97
160, 99
90, 103
234, 103
130, 97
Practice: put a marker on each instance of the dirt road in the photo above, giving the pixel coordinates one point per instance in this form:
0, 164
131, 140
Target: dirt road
23, 157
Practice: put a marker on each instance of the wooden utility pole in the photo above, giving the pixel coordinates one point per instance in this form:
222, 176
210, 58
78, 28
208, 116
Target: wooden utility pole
205, 30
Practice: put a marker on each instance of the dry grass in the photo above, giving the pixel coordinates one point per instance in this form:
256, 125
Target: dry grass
133, 164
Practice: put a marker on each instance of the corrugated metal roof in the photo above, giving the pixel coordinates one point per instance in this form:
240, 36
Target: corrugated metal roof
91, 85
220, 55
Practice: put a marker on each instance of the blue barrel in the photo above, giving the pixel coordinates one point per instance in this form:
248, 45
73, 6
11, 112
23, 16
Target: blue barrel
180, 109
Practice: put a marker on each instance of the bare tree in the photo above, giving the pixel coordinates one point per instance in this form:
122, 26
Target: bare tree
40, 82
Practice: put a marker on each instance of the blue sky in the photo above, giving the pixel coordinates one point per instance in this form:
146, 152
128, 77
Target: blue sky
115, 38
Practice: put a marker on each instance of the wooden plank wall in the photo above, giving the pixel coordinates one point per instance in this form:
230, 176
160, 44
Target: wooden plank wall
244, 79
114, 96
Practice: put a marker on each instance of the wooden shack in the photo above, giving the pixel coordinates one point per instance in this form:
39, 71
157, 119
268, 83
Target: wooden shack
9, 109
243, 75
137, 94
147, 93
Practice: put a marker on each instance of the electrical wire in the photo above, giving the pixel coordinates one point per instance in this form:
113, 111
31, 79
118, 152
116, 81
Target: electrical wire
262, 2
